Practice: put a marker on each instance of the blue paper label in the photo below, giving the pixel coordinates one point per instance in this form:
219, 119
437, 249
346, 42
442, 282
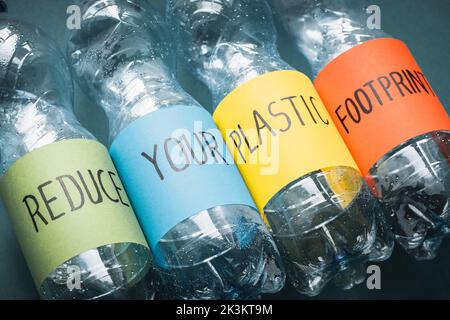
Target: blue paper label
175, 164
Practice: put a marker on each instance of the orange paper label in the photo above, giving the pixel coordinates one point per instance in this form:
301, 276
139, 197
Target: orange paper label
379, 98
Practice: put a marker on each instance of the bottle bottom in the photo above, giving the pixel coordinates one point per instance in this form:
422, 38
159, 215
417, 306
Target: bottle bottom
413, 183
325, 225
114, 271
222, 253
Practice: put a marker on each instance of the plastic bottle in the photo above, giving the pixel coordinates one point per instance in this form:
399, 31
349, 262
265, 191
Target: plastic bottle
208, 240
411, 175
324, 218
41, 141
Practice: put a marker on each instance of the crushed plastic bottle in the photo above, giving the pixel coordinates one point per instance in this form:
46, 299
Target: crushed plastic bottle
413, 179
36, 112
124, 59
323, 233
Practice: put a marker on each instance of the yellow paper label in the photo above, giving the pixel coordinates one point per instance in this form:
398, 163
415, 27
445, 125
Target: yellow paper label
278, 130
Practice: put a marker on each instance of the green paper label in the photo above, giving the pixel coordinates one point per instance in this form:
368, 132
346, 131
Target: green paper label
65, 199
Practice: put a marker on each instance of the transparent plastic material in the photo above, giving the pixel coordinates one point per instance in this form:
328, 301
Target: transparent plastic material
35, 110
327, 234
123, 59
229, 248
225, 44
412, 181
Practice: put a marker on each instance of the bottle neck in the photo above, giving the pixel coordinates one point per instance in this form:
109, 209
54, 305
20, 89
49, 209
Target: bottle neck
225, 43
137, 89
28, 122
236, 68
324, 29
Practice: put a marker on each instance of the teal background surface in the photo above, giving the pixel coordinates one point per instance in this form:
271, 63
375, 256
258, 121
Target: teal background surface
423, 25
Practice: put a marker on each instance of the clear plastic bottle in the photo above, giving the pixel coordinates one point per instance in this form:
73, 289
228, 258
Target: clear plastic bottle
413, 179
124, 60
35, 111
226, 44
